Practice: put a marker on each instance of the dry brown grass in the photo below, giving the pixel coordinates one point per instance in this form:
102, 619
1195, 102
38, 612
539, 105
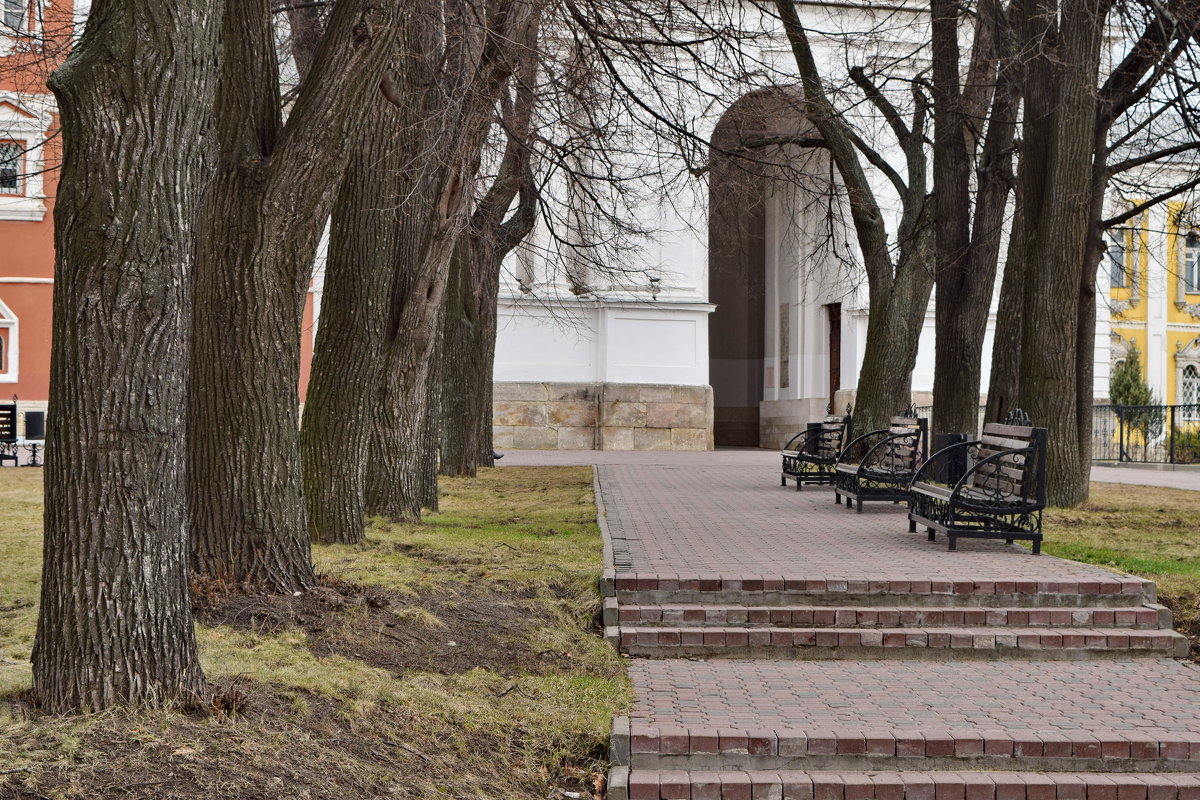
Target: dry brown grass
324, 715
1142, 530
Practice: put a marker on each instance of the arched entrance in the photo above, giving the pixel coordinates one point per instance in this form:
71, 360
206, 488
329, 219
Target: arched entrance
763, 150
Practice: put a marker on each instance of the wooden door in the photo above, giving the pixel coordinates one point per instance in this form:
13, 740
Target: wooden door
834, 311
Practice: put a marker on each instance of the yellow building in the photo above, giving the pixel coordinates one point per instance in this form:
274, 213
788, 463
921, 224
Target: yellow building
1152, 273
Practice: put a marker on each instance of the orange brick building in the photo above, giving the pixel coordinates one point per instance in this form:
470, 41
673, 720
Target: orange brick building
35, 37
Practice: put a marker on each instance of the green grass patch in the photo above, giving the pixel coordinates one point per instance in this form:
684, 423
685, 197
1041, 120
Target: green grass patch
1143, 530
495, 597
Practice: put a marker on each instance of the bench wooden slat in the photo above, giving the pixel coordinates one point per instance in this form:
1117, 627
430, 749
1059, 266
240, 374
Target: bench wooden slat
999, 429
929, 488
1003, 442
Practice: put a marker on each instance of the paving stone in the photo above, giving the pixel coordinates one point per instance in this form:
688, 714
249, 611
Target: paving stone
798, 785
1020, 704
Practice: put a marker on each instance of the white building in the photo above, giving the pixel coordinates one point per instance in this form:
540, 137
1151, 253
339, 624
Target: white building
749, 320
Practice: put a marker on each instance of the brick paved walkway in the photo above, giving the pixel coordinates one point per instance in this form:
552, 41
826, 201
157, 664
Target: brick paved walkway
1145, 696
750, 456
735, 518
710, 557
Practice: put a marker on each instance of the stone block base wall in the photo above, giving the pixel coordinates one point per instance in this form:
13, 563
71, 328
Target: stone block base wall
780, 420
602, 416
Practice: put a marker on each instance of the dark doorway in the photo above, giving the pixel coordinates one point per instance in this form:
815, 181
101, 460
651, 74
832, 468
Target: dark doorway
835, 352
745, 168
736, 282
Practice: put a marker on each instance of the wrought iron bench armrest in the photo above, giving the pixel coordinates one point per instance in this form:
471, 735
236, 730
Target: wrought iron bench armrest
957, 496
844, 455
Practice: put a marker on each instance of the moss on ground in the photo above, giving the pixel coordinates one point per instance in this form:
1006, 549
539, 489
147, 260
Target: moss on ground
290, 719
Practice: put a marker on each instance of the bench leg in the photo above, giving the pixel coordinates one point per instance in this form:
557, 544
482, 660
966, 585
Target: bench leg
859, 504
783, 480
912, 526
931, 534
1037, 546
798, 484
953, 542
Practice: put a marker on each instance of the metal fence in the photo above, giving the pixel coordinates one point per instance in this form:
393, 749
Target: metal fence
1146, 434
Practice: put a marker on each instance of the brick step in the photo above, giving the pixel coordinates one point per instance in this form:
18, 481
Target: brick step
661, 589
645, 746
691, 616
863, 643
626, 784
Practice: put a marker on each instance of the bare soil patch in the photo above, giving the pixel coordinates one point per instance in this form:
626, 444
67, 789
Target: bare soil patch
464, 627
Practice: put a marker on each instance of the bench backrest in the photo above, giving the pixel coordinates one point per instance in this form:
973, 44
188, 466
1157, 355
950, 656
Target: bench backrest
834, 436
1019, 475
8, 423
902, 455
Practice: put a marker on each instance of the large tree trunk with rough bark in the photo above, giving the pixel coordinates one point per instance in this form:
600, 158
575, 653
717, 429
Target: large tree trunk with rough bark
115, 622
469, 328
890, 350
1004, 386
969, 238
263, 216
468, 347
957, 368
335, 435
477, 65
1060, 91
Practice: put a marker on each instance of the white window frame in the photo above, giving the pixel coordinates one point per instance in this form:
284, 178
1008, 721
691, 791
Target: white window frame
1191, 398
26, 119
1189, 262
1186, 356
1117, 255
22, 159
12, 361
30, 29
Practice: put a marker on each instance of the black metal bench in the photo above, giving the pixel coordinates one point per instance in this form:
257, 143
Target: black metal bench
1000, 495
810, 456
879, 465
8, 433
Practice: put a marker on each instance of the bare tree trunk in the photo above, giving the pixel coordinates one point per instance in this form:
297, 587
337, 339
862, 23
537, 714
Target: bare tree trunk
956, 367
469, 327
970, 243
1061, 95
431, 443
335, 435
898, 296
115, 623
470, 86
468, 347
890, 352
1004, 388
263, 217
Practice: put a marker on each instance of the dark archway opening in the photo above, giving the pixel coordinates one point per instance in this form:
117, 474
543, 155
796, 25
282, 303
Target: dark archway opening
742, 166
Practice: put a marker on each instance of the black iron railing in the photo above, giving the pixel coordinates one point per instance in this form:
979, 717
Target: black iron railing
1146, 434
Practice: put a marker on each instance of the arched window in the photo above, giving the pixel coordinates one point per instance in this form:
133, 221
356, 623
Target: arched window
1189, 391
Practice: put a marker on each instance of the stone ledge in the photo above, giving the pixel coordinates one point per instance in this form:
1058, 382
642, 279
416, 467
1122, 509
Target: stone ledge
607, 416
